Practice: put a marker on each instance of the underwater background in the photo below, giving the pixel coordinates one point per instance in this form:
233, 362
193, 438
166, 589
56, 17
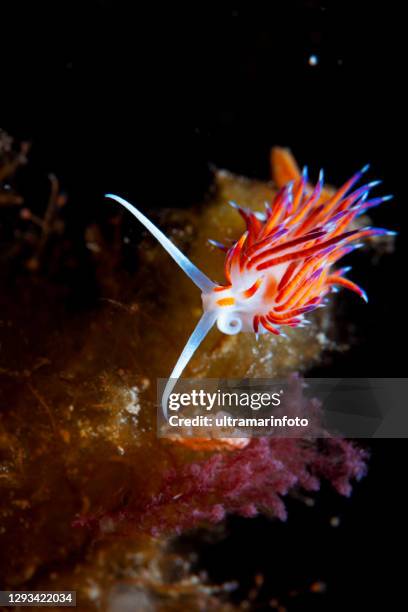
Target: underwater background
146, 101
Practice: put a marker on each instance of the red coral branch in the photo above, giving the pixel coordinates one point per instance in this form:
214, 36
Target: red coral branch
246, 482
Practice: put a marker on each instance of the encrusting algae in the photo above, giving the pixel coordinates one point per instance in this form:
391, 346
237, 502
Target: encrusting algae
79, 455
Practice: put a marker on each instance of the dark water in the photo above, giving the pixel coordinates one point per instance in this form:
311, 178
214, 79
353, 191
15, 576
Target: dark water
117, 97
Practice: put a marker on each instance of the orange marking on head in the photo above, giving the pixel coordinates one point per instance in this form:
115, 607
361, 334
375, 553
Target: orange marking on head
229, 301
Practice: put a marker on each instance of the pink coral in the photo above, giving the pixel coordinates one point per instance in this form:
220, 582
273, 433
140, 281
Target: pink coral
250, 481
246, 481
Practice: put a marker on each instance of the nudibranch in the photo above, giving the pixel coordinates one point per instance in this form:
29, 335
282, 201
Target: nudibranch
284, 264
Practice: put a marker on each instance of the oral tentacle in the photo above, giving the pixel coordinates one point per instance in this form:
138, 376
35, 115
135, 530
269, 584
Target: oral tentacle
199, 278
201, 330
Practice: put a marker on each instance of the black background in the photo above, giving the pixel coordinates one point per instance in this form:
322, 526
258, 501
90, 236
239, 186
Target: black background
120, 97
